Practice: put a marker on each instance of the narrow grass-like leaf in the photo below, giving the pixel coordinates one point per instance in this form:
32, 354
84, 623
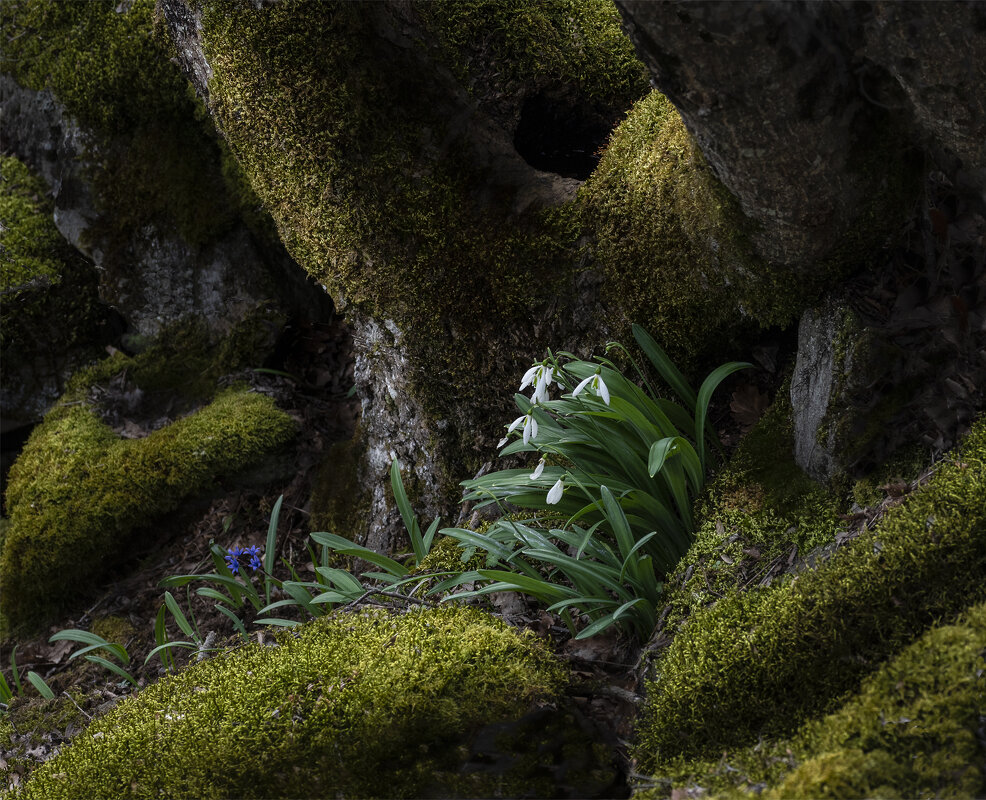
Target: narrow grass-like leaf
407, 513
669, 373
161, 637
115, 668
167, 646
38, 683
94, 641
709, 385
15, 674
346, 547
283, 623
237, 622
179, 616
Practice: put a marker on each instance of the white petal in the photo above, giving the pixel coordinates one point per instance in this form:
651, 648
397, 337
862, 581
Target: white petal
538, 470
602, 390
527, 429
502, 442
534, 427
582, 385
529, 377
555, 493
516, 423
550, 373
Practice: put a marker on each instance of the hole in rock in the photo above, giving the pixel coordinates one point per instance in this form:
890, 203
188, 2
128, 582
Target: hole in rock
561, 134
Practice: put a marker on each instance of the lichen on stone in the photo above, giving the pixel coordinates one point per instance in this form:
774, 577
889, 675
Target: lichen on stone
331, 709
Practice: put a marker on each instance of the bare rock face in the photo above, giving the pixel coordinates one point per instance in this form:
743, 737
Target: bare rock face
153, 276
806, 112
811, 116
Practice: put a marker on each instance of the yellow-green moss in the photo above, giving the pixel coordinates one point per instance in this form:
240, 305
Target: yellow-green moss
668, 238
360, 705
109, 64
78, 493
910, 731
759, 506
762, 661
30, 244
375, 187
50, 316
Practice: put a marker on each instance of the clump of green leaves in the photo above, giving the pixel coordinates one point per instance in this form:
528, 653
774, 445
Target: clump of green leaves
612, 494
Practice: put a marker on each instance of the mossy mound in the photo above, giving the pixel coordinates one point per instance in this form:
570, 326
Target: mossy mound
79, 492
912, 730
370, 704
31, 243
760, 507
761, 662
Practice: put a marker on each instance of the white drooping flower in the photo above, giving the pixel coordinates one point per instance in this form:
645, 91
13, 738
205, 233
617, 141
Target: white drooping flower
538, 470
597, 384
539, 376
555, 493
502, 442
530, 428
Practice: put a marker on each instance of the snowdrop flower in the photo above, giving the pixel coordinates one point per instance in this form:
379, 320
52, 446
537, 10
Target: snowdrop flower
540, 377
538, 470
530, 426
555, 492
502, 442
598, 386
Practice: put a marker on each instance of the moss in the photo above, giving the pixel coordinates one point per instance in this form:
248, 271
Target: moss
328, 711
50, 315
79, 495
349, 141
157, 161
558, 41
760, 506
31, 243
909, 731
761, 662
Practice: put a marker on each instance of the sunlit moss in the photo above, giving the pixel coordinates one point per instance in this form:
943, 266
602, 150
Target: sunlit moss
79, 493
761, 662
360, 705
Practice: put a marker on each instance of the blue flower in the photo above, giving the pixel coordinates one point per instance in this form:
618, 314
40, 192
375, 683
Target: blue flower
255, 560
233, 559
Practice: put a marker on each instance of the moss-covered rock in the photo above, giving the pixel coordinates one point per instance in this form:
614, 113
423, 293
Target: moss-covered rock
911, 730
371, 704
142, 183
761, 662
670, 241
760, 506
80, 493
51, 320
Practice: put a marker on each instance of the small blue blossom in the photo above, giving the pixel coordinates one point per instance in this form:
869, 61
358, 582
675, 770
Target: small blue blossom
255, 560
233, 559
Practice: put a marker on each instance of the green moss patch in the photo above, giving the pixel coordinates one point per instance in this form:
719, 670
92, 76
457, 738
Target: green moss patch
761, 662
31, 243
760, 507
358, 705
109, 64
79, 493
912, 730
